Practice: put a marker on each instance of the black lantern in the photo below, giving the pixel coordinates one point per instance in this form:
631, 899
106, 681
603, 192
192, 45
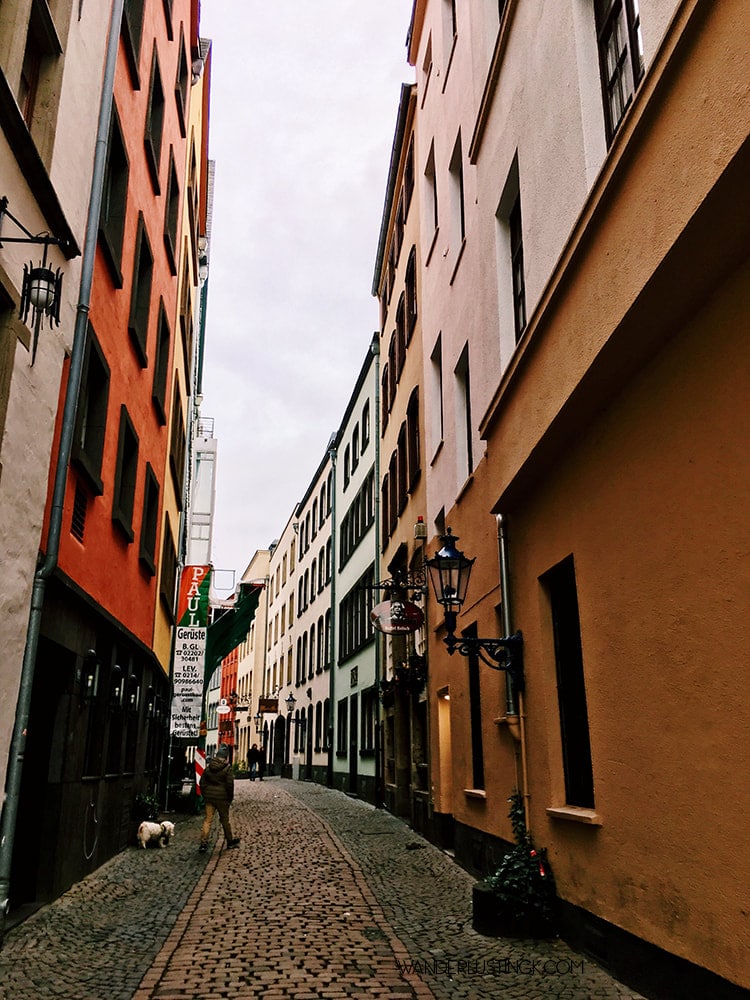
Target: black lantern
41, 289
90, 676
291, 701
449, 573
258, 719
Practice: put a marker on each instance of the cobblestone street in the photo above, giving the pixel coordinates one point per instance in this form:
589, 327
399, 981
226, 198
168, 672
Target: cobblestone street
326, 897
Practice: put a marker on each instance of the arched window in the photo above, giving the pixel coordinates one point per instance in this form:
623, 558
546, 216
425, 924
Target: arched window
365, 424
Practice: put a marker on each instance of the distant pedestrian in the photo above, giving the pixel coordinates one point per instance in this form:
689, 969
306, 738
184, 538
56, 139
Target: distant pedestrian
217, 789
252, 761
261, 763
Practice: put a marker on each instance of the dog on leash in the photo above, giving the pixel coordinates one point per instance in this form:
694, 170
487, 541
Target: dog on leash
155, 833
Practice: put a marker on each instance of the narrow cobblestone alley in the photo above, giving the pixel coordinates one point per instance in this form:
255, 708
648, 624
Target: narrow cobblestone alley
326, 897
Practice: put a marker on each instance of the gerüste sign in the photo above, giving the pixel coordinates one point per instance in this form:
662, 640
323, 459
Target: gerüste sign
190, 652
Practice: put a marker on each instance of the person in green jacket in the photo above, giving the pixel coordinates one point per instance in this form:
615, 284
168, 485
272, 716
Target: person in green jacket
217, 789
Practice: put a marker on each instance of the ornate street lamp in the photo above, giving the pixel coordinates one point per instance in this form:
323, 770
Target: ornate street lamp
41, 287
449, 572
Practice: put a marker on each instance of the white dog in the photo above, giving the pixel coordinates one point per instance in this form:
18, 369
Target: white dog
155, 833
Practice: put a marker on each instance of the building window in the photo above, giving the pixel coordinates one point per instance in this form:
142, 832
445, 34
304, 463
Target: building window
560, 583
426, 67
516, 259
464, 451
431, 195
412, 436
411, 294
149, 523
177, 445
355, 626
384, 396
436, 395
168, 17
369, 716
131, 30
342, 728
621, 64
168, 569
355, 448
458, 215
186, 311
125, 475
154, 122
42, 49
140, 295
181, 86
400, 337
91, 415
172, 213
511, 278
161, 365
409, 177
401, 467
365, 425
114, 199
393, 370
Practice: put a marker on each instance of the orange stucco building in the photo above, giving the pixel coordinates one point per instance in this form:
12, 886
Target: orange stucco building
99, 714
584, 301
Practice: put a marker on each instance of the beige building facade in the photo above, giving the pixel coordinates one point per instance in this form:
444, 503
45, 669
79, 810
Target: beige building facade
584, 278
46, 77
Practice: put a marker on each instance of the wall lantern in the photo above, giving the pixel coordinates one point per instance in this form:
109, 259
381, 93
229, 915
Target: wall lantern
450, 571
258, 719
90, 676
134, 692
41, 290
291, 701
117, 684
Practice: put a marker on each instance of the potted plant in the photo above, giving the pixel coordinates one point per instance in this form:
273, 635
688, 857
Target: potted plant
519, 898
145, 807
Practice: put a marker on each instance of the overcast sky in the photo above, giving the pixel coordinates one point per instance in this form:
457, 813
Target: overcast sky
304, 98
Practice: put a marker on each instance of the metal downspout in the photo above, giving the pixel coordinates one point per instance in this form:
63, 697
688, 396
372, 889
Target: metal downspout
332, 453
43, 572
514, 708
379, 797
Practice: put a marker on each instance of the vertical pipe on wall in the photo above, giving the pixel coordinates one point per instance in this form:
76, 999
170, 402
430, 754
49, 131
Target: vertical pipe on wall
379, 797
513, 700
332, 454
23, 705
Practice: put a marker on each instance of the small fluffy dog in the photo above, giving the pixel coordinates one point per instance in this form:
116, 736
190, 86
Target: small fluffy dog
155, 833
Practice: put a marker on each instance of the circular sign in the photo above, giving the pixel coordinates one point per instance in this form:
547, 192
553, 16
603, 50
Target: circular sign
396, 617
223, 709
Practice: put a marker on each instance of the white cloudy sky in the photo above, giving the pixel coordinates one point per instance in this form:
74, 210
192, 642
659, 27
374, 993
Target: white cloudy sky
303, 111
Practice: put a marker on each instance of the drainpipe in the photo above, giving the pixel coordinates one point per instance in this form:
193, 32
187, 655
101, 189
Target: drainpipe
514, 710
332, 453
43, 572
379, 798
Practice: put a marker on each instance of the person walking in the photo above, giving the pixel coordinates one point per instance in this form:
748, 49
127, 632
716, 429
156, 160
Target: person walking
217, 789
252, 761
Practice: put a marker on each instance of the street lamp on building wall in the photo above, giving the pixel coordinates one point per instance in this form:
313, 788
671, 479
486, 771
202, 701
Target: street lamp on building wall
449, 572
41, 287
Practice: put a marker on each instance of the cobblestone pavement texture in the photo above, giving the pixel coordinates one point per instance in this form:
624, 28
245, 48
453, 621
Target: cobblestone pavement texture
325, 897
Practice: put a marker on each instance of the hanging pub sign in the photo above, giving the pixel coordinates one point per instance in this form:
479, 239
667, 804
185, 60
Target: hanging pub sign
268, 705
396, 617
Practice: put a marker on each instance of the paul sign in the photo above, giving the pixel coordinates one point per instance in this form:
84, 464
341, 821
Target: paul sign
396, 617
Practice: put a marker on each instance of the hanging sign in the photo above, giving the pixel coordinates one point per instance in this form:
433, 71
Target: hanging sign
396, 617
190, 652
